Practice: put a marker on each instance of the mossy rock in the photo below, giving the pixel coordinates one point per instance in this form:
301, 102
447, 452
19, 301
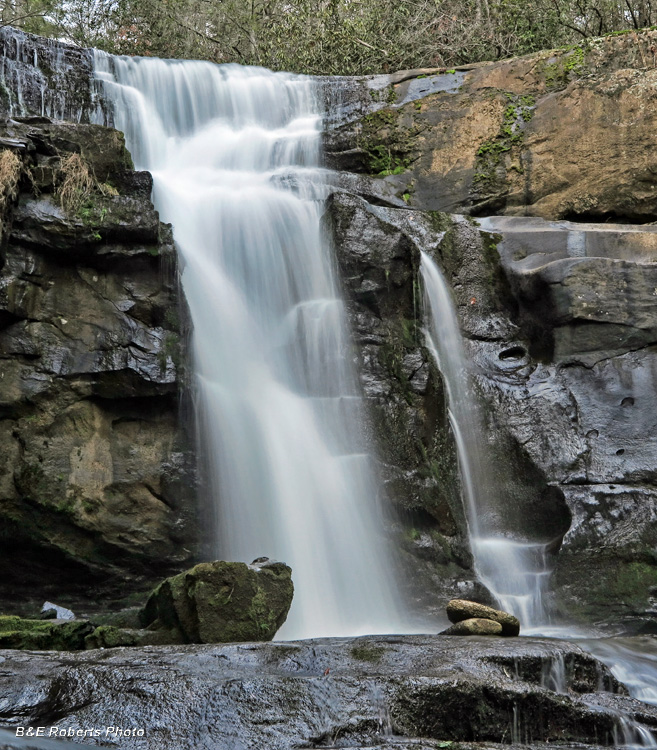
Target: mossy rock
107, 636
43, 635
222, 602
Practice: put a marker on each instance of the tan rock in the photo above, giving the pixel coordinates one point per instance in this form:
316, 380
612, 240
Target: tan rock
559, 134
474, 626
460, 610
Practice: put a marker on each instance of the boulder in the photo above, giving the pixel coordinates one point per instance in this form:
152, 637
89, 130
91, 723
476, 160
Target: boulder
222, 602
461, 611
475, 626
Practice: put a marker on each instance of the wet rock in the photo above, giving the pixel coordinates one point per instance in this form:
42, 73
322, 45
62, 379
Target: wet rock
552, 315
378, 251
424, 691
474, 626
45, 77
461, 609
97, 478
222, 602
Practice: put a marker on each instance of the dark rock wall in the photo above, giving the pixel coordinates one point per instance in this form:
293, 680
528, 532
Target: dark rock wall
559, 318
96, 470
45, 77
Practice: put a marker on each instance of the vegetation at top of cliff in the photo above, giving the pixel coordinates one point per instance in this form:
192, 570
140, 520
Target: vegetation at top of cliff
328, 36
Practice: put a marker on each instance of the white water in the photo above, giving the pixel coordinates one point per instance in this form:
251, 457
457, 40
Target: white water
515, 571
234, 153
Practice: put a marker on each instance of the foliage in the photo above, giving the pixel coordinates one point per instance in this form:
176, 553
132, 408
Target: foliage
328, 36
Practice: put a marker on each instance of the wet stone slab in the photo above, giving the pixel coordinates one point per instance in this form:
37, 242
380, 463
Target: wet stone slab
377, 691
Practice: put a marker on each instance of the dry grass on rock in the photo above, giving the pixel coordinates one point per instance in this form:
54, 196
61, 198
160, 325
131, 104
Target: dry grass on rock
10, 171
77, 184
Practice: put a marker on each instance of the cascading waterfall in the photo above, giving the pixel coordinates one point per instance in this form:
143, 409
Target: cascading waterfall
235, 153
516, 572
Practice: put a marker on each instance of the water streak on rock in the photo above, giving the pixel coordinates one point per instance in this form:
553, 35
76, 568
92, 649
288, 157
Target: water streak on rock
516, 571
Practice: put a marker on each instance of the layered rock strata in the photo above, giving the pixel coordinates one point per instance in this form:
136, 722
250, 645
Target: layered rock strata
96, 472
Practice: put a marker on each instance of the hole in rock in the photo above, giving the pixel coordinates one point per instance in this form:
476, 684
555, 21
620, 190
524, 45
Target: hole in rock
627, 401
620, 451
607, 217
515, 352
592, 434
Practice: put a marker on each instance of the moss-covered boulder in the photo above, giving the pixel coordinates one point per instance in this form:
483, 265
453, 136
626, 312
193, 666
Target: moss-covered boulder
222, 602
43, 635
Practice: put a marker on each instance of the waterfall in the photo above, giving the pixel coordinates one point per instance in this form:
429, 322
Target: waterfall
235, 158
515, 571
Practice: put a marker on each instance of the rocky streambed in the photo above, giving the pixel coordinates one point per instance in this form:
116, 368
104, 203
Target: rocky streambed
376, 691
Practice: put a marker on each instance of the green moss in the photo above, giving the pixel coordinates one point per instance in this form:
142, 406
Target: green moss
40, 635
5, 97
403, 335
372, 654
572, 61
439, 221
261, 614
629, 583
172, 318
388, 146
107, 636
490, 154
619, 588
170, 350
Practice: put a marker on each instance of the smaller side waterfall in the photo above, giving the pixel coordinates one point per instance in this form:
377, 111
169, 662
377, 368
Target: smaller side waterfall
515, 571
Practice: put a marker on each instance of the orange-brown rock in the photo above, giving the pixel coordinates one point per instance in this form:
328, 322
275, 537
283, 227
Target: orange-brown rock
563, 135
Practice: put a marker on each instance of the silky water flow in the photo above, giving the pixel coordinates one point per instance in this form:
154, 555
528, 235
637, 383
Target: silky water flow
235, 158
515, 571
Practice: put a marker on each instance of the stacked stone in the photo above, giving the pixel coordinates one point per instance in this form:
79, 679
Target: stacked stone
472, 618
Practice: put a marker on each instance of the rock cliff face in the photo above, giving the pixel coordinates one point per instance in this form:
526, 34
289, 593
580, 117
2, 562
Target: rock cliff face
96, 472
561, 135
559, 317
44, 77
